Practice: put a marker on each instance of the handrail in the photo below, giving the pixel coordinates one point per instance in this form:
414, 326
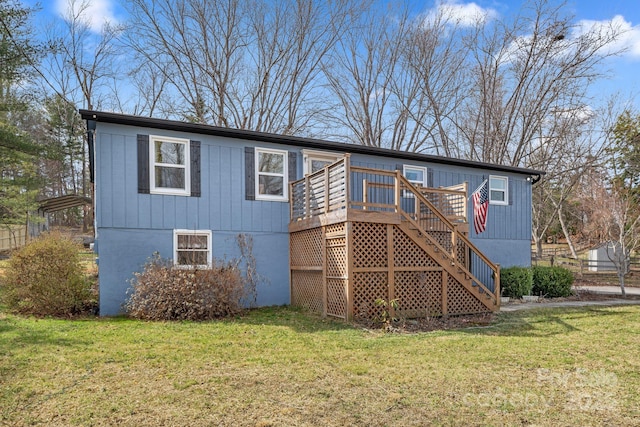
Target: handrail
455, 235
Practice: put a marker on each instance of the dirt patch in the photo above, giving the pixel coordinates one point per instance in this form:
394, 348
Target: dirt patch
479, 320
428, 324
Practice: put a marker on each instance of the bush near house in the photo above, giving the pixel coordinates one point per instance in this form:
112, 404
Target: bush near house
46, 278
163, 291
516, 281
552, 282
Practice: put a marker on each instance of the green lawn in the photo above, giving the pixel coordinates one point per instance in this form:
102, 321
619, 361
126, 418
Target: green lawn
281, 367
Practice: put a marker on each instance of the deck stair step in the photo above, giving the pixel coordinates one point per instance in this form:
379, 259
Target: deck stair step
451, 265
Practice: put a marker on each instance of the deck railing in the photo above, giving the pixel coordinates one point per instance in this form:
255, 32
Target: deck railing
437, 211
320, 192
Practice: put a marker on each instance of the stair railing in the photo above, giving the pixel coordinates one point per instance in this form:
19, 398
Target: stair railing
457, 246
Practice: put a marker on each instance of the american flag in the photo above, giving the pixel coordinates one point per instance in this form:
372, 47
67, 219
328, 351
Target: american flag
480, 207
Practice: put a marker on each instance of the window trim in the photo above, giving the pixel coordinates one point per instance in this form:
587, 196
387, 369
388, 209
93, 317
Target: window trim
285, 175
504, 202
152, 166
310, 155
414, 167
409, 194
182, 232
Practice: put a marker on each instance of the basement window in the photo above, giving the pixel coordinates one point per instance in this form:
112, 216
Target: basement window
192, 248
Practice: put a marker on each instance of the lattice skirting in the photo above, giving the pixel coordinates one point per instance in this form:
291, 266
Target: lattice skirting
461, 301
416, 277
306, 290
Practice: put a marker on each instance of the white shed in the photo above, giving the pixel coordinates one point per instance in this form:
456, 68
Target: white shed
600, 257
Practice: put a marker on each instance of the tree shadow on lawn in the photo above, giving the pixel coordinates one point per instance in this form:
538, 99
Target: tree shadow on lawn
294, 318
543, 322
19, 334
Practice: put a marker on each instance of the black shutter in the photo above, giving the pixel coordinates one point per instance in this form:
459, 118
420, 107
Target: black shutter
429, 177
143, 164
293, 170
195, 168
91, 131
400, 167
249, 173
510, 189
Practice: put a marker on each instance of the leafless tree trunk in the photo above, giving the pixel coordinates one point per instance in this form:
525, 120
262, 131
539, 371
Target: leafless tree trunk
81, 65
399, 82
244, 64
526, 70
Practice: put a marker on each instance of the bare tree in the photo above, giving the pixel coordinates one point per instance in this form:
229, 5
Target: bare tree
80, 63
578, 144
399, 81
525, 71
614, 217
243, 64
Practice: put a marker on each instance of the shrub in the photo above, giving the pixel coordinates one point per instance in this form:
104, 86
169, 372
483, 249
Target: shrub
552, 282
163, 291
516, 281
45, 278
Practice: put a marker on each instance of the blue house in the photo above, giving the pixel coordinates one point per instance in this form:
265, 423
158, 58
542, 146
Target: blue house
334, 226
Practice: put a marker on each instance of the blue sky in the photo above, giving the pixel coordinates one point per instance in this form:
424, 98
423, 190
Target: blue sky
623, 70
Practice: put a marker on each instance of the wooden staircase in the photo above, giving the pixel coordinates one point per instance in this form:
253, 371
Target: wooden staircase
449, 264
393, 224
448, 259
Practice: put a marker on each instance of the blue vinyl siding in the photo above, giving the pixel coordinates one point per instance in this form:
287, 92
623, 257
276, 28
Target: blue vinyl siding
131, 226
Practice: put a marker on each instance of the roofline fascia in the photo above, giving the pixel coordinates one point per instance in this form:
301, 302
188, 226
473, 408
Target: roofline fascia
174, 125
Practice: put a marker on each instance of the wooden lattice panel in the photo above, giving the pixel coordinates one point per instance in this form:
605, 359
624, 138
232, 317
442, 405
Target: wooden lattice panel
419, 294
443, 238
306, 248
367, 288
461, 301
337, 298
306, 290
335, 228
407, 253
337, 257
369, 245
462, 254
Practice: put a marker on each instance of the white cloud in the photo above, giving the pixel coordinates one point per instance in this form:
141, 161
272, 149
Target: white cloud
95, 12
628, 39
464, 14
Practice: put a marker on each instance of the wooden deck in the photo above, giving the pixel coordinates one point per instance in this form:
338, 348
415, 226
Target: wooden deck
358, 235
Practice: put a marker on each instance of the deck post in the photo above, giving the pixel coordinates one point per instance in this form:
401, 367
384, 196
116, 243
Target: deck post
454, 242
365, 197
307, 197
390, 270
349, 282
445, 302
325, 301
347, 180
327, 203
290, 205
397, 191
497, 285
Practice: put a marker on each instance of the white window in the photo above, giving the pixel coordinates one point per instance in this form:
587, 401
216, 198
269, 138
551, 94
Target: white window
192, 248
498, 190
316, 160
271, 174
417, 175
169, 165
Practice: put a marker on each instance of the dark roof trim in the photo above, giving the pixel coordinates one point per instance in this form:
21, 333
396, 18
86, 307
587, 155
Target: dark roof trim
174, 125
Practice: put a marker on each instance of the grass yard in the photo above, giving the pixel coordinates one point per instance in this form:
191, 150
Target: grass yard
281, 367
